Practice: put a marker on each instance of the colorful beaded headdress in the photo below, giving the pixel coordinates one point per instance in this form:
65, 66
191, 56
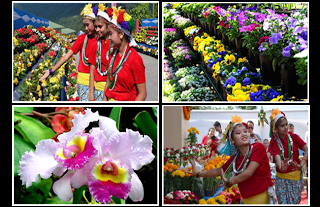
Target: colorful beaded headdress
89, 12
121, 19
275, 116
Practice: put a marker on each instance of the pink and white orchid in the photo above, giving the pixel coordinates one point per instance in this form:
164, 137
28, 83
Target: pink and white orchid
104, 159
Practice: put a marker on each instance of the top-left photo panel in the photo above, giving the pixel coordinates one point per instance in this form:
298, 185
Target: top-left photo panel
85, 52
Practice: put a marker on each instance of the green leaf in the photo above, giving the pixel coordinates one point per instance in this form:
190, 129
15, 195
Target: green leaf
45, 186
115, 115
56, 200
77, 195
20, 147
155, 111
23, 109
32, 129
118, 200
147, 126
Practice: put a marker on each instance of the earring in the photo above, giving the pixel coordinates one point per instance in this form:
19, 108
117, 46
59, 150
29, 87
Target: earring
121, 37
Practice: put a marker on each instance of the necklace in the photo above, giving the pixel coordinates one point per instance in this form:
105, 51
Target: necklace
280, 146
246, 159
84, 58
98, 59
124, 57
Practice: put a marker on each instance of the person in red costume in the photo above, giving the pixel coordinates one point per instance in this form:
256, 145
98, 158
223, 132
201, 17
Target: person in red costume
126, 72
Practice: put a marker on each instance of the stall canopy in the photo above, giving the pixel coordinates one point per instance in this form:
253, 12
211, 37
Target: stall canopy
22, 18
150, 22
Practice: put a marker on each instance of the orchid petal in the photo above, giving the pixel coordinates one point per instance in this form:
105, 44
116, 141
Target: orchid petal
62, 187
39, 162
108, 126
79, 178
131, 148
99, 142
80, 122
137, 193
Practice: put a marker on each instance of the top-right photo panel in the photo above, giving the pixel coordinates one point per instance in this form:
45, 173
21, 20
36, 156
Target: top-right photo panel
235, 52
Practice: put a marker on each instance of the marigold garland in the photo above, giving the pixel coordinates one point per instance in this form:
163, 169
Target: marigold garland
187, 112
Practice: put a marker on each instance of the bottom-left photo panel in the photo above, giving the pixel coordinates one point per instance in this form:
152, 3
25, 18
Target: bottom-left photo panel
85, 155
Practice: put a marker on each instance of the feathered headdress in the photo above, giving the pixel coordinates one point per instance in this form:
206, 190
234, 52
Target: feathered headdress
234, 122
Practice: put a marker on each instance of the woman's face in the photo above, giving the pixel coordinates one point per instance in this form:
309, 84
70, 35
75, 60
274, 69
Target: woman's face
101, 28
88, 26
211, 133
115, 36
241, 135
282, 127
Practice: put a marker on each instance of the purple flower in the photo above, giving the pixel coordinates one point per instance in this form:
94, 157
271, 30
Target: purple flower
125, 25
261, 48
260, 17
95, 10
275, 38
246, 81
231, 81
286, 51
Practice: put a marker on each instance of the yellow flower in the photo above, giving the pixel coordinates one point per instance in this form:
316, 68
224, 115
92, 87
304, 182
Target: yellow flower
40, 93
229, 59
16, 81
216, 67
102, 7
241, 60
279, 98
38, 88
126, 17
275, 112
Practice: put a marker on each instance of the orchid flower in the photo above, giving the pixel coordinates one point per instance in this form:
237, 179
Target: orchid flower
104, 159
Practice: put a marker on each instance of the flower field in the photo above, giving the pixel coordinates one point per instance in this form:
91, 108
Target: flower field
247, 52
36, 50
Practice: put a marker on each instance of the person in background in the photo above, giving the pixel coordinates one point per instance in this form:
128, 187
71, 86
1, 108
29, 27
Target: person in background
219, 135
211, 140
254, 138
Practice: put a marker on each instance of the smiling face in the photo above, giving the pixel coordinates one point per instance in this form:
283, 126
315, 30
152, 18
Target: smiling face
240, 135
88, 26
114, 35
101, 28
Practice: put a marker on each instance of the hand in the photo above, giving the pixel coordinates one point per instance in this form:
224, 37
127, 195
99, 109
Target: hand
194, 171
46, 74
223, 177
284, 164
295, 165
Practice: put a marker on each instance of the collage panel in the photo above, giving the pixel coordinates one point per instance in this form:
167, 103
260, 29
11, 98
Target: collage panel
230, 154
100, 51
221, 51
85, 155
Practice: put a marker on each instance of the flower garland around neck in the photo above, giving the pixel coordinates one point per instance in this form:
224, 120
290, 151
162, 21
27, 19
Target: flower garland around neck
84, 58
124, 57
98, 59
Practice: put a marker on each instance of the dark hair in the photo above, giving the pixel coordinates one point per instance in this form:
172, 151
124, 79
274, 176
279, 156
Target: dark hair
210, 129
127, 38
217, 124
290, 125
250, 122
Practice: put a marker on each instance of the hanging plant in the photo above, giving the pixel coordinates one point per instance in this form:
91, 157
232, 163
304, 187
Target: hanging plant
262, 117
187, 112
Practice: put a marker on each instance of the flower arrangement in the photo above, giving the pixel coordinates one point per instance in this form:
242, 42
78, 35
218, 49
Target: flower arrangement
228, 196
181, 197
262, 117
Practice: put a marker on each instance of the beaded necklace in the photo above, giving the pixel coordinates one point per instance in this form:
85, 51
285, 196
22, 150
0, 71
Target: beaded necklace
84, 58
280, 146
98, 59
124, 57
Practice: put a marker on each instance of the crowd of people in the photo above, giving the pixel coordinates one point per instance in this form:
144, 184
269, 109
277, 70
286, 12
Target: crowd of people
252, 156
109, 68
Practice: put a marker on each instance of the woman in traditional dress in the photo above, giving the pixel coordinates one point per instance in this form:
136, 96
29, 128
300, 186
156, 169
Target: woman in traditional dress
82, 44
249, 167
126, 72
284, 147
99, 56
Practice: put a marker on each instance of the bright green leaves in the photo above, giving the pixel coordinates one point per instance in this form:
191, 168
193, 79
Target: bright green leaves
146, 124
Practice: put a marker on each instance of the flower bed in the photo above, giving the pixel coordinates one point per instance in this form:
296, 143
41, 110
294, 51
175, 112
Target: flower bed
247, 30
30, 63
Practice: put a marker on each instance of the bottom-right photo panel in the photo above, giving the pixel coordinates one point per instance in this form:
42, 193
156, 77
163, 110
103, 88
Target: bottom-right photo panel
236, 154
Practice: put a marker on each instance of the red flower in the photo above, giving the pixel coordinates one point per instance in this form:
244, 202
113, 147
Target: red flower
109, 12
206, 14
59, 123
221, 23
120, 18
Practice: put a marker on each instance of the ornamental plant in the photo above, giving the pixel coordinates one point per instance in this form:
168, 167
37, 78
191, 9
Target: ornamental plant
102, 158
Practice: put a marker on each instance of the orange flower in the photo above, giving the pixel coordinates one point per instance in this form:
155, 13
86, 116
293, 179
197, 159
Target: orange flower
275, 112
236, 119
175, 167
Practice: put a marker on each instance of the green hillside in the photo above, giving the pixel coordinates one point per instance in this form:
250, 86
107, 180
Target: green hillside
68, 14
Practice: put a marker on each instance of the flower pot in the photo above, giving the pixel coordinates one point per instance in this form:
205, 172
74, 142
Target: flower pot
225, 39
266, 68
208, 193
242, 50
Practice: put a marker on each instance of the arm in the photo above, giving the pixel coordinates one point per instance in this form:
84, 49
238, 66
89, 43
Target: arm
209, 173
246, 174
142, 92
305, 157
58, 65
91, 83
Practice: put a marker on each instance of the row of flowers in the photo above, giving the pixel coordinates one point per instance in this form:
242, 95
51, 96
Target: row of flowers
231, 67
147, 35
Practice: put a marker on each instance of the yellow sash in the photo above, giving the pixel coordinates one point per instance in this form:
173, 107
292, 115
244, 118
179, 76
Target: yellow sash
262, 198
83, 78
294, 175
100, 85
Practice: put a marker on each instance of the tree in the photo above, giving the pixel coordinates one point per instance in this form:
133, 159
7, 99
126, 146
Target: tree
141, 11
